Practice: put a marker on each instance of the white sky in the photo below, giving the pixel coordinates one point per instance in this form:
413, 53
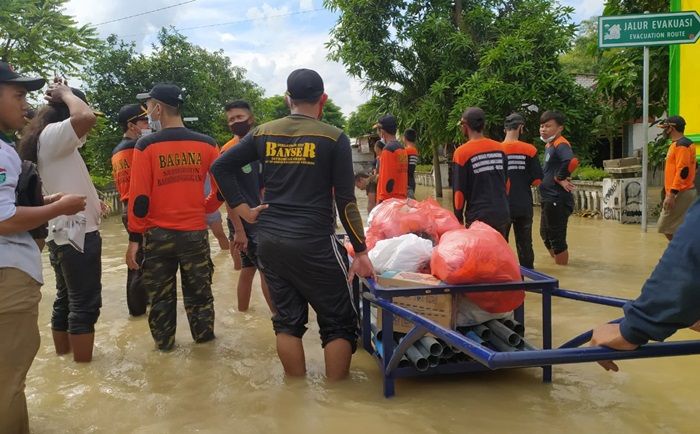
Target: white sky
268, 47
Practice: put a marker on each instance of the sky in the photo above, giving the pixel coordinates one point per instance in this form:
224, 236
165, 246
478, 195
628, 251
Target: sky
269, 38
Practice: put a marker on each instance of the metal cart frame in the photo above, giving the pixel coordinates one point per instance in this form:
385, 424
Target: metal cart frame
483, 358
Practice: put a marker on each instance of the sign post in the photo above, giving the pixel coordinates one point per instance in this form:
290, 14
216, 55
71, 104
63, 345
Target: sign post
647, 30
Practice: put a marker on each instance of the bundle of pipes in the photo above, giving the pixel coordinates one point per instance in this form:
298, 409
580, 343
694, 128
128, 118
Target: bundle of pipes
504, 335
428, 352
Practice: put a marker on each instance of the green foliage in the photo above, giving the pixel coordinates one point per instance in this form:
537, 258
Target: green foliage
589, 173
424, 168
658, 150
427, 63
620, 77
36, 36
271, 108
333, 115
118, 73
583, 57
97, 152
360, 122
275, 107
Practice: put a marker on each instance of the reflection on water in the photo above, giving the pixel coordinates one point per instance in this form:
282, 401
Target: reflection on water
235, 384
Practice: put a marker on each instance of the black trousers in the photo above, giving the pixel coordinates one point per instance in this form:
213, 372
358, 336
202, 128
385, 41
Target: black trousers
78, 285
136, 298
522, 227
553, 225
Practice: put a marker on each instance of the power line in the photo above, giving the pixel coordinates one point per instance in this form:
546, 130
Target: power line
145, 13
233, 22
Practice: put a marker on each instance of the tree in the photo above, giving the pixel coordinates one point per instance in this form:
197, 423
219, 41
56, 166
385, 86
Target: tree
36, 36
275, 107
360, 122
208, 79
583, 57
427, 61
621, 69
333, 115
271, 108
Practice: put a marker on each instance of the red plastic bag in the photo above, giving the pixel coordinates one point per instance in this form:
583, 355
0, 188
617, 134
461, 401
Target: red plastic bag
479, 255
396, 217
443, 219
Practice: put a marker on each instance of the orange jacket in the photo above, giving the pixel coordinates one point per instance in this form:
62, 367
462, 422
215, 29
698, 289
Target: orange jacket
680, 166
122, 157
230, 144
167, 181
393, 172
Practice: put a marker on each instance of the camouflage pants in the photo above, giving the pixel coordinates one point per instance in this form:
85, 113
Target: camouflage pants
164, 251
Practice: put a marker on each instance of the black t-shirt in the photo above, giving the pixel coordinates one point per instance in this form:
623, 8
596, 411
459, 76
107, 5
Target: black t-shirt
306, 164
524, 170
249, 181
479, 183
557, 158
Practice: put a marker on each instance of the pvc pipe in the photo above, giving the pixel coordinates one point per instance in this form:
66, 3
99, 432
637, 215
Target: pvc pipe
432, 345
501, 345
419, 362
483, 331
473, 336
433, 361
503, 332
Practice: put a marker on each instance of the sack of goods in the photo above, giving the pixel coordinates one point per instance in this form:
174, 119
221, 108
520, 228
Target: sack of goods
404, 253
479, 255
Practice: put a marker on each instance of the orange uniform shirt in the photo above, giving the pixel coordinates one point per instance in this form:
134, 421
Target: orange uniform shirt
167, 181
230, 144
122, 157
679, 174
393, 172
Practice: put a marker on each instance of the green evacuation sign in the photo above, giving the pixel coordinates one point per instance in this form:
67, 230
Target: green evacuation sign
648, 29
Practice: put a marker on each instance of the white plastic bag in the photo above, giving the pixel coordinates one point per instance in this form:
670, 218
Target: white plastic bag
70, 230
469, 314
405, 253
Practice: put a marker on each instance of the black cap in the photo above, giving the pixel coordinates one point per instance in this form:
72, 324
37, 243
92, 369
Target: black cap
304, 85
131, 113
170, 94
8, 75
387, 123
673, 121
513, 121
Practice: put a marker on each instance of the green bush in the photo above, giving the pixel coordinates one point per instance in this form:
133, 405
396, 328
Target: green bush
101, 182
589, 173
424, 168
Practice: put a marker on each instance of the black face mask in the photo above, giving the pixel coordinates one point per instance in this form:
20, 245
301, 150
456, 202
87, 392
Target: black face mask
240, 128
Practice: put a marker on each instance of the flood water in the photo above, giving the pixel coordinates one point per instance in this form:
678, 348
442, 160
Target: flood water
236, 384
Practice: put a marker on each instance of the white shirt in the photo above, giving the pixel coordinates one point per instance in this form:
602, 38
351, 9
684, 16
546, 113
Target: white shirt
16, 250
63, 170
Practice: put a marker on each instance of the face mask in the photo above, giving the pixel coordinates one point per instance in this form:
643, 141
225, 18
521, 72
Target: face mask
547, 140
153, 124
145, 132
240, 128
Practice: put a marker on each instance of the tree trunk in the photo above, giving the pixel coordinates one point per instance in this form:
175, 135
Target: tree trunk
436, 171
612, 147
459, 22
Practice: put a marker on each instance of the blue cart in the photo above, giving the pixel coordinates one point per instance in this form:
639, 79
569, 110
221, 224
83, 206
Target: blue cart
481, 357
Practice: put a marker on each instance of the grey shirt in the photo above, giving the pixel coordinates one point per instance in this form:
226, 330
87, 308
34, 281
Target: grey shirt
16, 250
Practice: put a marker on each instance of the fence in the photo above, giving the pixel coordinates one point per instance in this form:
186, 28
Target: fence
111, 198
588, 196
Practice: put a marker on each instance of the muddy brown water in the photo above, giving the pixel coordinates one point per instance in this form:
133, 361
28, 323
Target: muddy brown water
236, 384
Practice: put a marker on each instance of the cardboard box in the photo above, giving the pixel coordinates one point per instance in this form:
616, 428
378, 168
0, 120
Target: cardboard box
438, 308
